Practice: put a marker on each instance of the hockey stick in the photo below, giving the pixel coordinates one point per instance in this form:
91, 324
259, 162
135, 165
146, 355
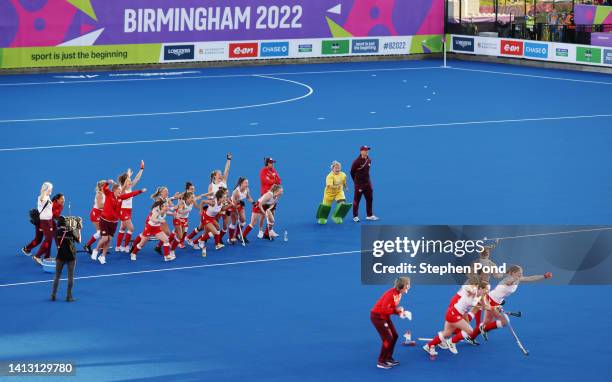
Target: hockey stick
518, 341
241, 235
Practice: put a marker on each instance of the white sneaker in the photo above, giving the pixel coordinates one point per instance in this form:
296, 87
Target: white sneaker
373, 218
118, 249
170, 257
451, 346
203, 251
133, 257
356, 219
219, 246
431, 350
260, 235
126, 249
102, 259
272, 233
94, 255
199, 245
173, 254
443, 344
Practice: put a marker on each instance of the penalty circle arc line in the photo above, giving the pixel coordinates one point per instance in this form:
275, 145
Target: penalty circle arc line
309, 92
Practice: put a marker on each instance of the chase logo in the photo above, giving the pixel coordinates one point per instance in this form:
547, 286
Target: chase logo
274, 49
463, 44
536, 50
178, 52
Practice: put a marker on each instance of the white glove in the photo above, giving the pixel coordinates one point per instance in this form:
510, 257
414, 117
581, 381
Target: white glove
406, 314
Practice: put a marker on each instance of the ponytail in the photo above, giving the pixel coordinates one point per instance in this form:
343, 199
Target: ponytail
158, 191
240, 180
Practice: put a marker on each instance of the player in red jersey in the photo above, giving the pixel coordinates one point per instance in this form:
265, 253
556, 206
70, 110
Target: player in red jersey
162, 194
264, 207
218, 180
494, 318
181, 217
153, 228
127, 227
110, 216
238, 215
95, 214
458, 316
380, 315
268, 176
209, 216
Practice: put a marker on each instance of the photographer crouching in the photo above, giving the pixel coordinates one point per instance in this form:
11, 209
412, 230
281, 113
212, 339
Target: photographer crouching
67, 233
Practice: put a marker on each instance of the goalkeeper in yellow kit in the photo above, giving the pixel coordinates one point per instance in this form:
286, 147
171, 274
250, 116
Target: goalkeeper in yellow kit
335, 184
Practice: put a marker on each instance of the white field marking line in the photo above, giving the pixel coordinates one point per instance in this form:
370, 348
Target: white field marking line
218, 76
551, 233
191, 267
288, 133
309, 93
533, 76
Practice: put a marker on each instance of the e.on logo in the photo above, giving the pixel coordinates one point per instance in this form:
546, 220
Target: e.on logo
243, 50
512, 48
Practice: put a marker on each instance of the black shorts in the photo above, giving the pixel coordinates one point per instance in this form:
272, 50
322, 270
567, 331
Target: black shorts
107, 228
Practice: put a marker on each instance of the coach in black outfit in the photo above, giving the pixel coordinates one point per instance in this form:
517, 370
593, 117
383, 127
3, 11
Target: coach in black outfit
68, 232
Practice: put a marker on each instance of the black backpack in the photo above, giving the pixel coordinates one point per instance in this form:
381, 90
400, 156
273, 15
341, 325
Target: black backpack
35, 214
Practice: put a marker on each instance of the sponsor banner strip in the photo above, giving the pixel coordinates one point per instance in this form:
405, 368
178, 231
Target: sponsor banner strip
531, 50
216, 51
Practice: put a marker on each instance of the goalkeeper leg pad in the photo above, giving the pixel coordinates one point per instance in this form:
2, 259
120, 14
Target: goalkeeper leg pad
323, 213
340, 212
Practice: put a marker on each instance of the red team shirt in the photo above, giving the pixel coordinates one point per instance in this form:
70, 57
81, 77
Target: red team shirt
112, 203
387, 304
268, 177
57, 209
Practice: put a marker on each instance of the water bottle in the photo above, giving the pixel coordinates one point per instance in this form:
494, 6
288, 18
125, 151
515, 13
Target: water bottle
286, 236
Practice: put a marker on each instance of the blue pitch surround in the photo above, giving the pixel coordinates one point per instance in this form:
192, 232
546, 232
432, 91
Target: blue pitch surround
475, 144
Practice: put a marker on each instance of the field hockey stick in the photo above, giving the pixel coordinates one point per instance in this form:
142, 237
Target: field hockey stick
515, 314
240, 230
518, 341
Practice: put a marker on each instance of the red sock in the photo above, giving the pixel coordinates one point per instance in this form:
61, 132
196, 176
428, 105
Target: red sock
128, 237
174, 244
183, 237
221, 235
435, 341
457, 337
120, 238
475, 333
193, 233
490, 326
91, 241
135, 249
166, 250
232, 233
218, 239
137, 240
246, 231
171, 237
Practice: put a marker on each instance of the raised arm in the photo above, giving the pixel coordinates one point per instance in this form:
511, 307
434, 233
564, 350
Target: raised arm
227, 167
138, 174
